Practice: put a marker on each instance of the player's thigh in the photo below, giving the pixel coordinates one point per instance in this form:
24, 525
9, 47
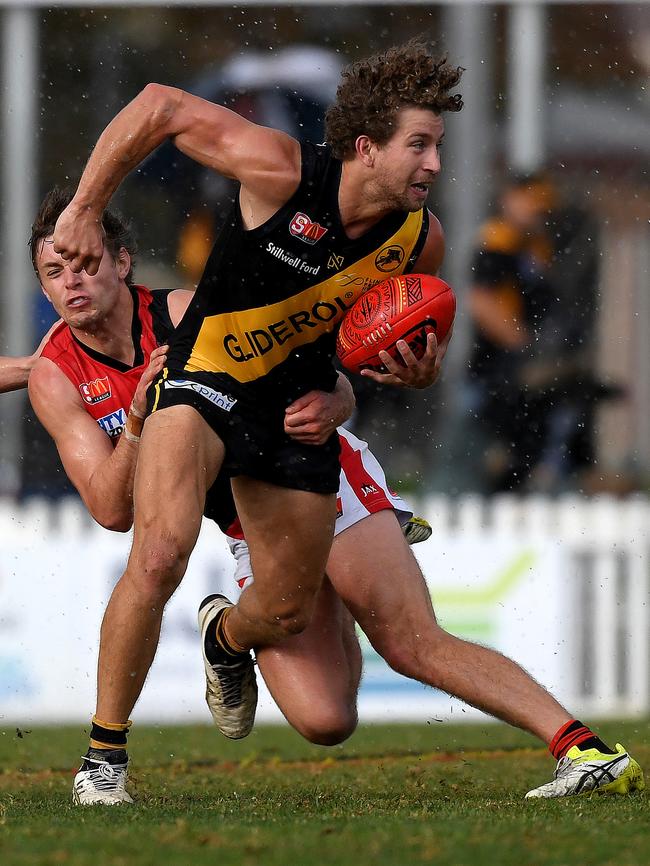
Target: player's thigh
180, 457
314, 676
373, 570
289, 534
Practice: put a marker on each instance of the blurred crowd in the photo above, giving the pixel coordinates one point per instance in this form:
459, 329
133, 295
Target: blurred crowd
531, 391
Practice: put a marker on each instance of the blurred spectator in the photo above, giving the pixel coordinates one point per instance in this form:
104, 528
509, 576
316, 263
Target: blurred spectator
533, 305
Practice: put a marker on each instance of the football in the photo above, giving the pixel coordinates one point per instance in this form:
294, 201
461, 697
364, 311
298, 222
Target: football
401, 308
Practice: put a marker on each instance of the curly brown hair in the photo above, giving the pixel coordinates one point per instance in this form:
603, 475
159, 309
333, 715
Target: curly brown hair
117, 232
374, 90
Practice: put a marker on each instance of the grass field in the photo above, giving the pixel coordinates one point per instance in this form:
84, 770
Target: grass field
407, 794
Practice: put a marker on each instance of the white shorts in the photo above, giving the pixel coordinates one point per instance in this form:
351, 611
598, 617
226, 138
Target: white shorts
363, 490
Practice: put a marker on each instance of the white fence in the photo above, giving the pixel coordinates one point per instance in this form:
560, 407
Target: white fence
560, 586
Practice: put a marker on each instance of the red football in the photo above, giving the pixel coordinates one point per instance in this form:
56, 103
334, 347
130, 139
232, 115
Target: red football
400, 308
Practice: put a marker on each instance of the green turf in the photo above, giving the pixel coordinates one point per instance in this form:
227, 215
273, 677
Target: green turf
412, 794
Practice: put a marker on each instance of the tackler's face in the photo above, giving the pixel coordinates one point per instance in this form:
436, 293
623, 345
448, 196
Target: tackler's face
409, 162
80, 300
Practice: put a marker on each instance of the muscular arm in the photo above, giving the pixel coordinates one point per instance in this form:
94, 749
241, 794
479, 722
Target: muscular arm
103, 475
265, 161
14, 372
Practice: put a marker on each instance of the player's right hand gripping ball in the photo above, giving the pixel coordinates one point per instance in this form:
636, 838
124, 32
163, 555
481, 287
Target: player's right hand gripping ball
400, 308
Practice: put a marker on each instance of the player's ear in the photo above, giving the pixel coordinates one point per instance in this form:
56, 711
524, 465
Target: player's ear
365, 149
123, 263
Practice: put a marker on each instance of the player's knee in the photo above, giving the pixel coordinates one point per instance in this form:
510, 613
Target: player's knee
160, 567
329, 726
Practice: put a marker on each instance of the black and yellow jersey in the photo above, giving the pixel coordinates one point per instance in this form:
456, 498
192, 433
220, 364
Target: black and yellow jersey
265, 312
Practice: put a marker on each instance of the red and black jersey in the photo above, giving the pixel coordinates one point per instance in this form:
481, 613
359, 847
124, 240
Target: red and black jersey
107, 386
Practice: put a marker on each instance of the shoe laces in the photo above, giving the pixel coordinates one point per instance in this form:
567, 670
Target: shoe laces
563, 767
231, 679
105, 776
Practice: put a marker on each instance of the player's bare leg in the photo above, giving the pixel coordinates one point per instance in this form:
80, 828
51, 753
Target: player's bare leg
289, 535
314, 676
387, 595
179, 459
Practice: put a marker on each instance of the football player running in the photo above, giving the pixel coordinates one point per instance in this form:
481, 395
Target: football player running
258, 336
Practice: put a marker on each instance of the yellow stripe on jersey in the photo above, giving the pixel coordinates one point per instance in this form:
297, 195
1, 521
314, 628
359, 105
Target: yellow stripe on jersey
248, 344
165, 373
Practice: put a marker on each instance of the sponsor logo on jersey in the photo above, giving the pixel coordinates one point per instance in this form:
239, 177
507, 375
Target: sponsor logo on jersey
95, 391
257, 342
368, 489
390, 258
356, 281
114, 423
247, 344
335, 262
222, 401
293, 261
339, 507
302, 227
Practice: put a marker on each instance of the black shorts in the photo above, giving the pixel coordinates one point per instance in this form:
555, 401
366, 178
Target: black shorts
256, 444
220, 504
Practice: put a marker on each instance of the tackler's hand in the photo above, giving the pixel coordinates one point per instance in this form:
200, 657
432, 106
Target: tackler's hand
157, 361
312, 418
79, 238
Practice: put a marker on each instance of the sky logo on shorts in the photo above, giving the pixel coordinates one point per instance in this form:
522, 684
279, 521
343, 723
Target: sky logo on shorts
222, 401
302, 227
95, 392
114, 423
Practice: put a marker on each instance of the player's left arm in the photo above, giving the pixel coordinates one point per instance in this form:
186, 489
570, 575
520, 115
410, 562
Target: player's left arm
424, 372
14, 372
313, 418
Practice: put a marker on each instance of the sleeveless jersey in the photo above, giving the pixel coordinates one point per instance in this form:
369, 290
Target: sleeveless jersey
107, 386
264, 316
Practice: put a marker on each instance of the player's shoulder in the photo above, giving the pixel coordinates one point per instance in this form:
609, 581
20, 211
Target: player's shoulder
435, 227
317, 162
498, 236
48, 380
59, 342
432, 252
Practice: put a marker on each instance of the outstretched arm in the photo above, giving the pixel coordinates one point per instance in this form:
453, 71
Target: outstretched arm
14, 372
265, 161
